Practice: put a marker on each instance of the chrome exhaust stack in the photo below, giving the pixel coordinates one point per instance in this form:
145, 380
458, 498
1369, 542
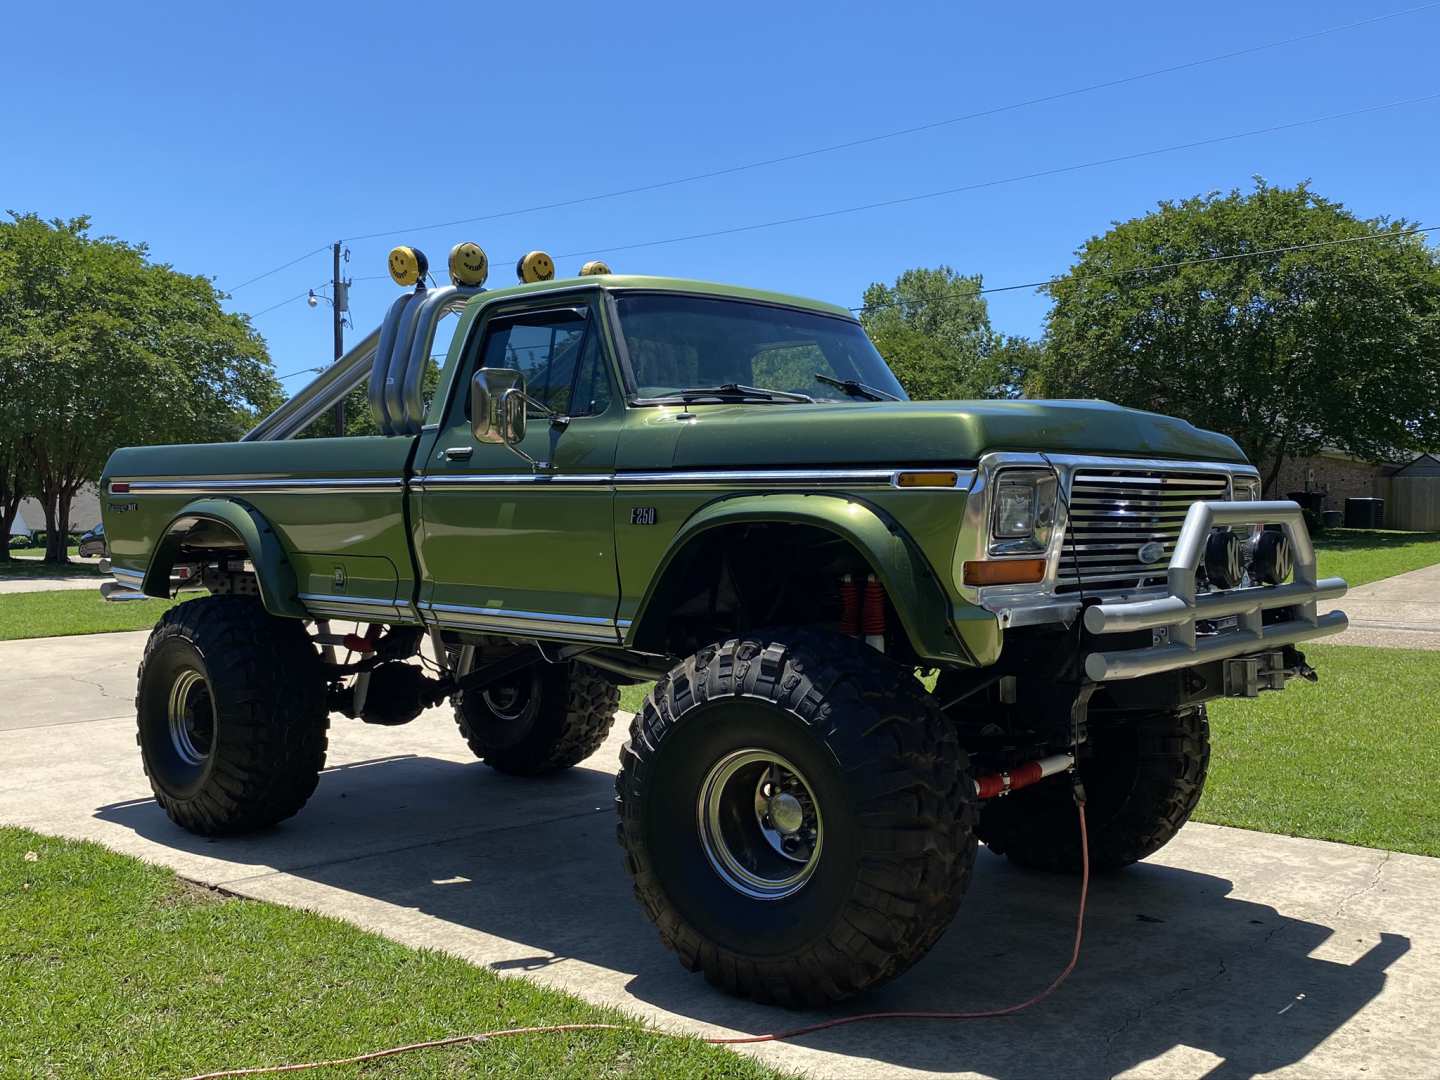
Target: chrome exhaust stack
390, 361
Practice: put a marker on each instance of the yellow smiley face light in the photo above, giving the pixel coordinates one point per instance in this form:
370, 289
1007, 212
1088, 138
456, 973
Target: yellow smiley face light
408, 265
469, 265
536, 266
594, 268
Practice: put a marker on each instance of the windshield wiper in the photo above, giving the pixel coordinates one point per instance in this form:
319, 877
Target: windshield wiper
855, 388
728, 392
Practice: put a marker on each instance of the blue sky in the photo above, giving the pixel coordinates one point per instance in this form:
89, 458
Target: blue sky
233, 138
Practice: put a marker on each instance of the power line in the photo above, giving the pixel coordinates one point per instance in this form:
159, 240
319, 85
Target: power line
276, 270
900, 132
869, 139
1389, 234
902, 200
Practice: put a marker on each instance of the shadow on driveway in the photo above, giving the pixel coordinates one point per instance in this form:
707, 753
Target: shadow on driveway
1171, 959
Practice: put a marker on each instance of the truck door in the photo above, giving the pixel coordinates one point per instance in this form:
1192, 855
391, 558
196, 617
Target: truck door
505, 547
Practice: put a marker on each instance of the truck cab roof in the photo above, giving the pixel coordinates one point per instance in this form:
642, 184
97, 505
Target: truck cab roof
663, 284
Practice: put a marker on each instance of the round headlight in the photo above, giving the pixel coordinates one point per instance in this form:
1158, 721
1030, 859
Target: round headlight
1224, 564
1273, 560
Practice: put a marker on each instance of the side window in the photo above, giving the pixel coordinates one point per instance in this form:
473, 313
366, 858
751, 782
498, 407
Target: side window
558, 352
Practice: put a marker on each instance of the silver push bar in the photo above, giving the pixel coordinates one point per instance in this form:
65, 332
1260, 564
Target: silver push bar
1183, 607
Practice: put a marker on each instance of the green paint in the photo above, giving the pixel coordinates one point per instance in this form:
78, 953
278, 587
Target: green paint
570, 547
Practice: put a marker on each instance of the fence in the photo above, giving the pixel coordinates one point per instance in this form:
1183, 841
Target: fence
1413, 503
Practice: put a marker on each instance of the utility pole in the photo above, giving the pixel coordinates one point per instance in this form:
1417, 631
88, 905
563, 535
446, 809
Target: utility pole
340, 303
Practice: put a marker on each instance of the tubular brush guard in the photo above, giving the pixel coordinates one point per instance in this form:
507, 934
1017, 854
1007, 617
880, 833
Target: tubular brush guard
1179, 611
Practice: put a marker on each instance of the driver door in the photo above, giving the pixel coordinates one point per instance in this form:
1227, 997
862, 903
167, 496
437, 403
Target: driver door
506, 547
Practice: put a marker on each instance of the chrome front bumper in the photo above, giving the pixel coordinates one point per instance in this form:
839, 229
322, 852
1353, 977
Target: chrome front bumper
1178, 612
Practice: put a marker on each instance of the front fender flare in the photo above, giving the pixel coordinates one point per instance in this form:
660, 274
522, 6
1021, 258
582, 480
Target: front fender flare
273, 572
914, 590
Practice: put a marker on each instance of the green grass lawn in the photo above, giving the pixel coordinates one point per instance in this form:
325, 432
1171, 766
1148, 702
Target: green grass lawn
27, 563
1364, 555
73, 611
113, 968
1352, 758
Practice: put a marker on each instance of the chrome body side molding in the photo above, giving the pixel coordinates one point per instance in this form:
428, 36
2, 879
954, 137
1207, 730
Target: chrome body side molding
522, 623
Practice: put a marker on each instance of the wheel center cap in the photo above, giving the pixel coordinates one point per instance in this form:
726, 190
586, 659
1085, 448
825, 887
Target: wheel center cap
786, 813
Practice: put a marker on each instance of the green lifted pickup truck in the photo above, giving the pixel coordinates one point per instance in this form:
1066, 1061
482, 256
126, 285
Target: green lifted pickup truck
879, 630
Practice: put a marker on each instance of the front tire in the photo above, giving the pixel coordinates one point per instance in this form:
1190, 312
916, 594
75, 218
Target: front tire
544, 718
231, 715
797, 816
1143, 777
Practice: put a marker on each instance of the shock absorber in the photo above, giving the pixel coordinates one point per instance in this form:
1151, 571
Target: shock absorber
849, 606
874, 614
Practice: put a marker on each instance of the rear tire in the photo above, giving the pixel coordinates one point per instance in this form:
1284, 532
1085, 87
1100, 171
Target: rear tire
1143, 777
545, 718
881, 823
231, 715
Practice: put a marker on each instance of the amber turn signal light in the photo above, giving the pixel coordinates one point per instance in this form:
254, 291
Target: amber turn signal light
1007, 572
926, 479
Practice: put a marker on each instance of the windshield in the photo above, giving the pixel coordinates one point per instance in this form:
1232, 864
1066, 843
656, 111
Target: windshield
679, 343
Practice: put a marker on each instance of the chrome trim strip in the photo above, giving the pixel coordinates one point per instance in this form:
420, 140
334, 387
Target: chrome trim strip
370, 601
464, 481
334, 485
123, 572
522, 623
511, 613
687, 477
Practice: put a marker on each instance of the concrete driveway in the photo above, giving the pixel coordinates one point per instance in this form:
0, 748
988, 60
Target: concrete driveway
1229, 954
1402, 612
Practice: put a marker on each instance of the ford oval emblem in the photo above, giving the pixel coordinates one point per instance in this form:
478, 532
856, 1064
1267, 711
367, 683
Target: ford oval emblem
1151, 553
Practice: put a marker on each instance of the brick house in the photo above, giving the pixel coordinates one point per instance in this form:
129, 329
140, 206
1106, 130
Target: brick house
1411, 489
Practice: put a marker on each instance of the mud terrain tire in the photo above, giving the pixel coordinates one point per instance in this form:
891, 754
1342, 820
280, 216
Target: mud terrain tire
545, 718
892, 795
231, 715
1143, 778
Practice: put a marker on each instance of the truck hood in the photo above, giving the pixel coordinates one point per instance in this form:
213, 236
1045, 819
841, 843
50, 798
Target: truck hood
926, 432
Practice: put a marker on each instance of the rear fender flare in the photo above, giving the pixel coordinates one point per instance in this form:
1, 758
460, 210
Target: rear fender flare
923, 607
273, 572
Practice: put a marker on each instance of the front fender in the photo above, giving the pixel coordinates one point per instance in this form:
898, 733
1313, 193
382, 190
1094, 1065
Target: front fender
273, 573
914, 590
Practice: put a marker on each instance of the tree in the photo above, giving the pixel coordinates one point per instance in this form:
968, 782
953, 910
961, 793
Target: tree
102, 348
933, 328
1286, 351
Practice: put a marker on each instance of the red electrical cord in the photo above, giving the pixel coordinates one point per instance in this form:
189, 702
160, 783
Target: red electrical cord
774, 1036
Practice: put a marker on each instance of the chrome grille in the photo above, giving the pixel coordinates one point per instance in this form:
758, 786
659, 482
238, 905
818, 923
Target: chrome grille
1116, 512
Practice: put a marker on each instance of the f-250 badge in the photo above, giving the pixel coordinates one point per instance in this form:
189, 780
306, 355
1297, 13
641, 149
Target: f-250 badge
642, 515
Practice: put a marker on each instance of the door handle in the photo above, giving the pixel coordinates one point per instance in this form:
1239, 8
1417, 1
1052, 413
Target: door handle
458, 453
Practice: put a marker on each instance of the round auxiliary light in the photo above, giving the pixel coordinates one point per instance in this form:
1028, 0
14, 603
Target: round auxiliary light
1273, 560
536, 266
408, 265
469, 264
1224, 559
595, 267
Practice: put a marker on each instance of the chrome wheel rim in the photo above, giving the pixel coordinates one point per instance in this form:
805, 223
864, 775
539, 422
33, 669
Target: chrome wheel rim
509, 700
760, 824
191, 716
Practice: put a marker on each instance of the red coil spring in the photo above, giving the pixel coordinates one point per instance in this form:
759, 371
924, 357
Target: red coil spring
874, 606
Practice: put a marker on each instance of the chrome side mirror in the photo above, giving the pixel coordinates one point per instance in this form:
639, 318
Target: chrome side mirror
497, 406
